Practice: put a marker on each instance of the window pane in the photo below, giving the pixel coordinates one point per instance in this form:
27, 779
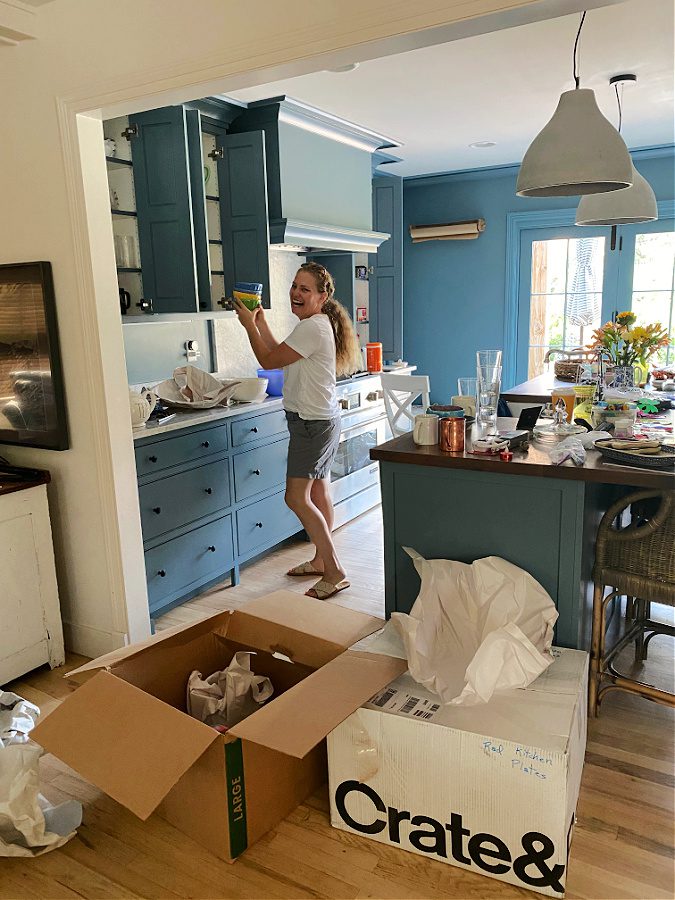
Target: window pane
566, 296
654, 260
653, 282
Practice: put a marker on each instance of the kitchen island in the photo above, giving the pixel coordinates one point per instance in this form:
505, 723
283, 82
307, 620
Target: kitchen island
540, 517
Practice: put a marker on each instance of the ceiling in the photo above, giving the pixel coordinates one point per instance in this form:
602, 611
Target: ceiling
502, 87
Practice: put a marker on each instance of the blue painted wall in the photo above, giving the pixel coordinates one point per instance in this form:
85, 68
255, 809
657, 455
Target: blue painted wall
453, 291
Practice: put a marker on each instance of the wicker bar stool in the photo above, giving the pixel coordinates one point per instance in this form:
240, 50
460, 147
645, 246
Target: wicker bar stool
637, 561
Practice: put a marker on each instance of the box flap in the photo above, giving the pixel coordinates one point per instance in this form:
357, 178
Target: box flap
126, 742
169, 636
306, 630
299, 719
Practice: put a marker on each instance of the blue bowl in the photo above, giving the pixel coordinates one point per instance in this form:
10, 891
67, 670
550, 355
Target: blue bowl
248, 287
275, 381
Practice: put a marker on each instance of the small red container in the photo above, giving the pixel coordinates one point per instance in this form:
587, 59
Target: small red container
374, 356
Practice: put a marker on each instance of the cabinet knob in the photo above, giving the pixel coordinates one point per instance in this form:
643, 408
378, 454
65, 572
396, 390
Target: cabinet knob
212, 548
372, 396
161, 573
205, 444
258, 524
152, 458
145, 305
344, 404
157, 509
208, 490
254, 429
255, 472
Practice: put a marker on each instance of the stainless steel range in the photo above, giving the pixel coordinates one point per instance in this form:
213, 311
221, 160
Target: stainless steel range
355, 480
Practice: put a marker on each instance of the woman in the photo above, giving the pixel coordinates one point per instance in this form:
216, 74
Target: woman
322, 345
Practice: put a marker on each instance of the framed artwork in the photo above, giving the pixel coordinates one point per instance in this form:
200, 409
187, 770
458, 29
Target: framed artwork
361, 314
32, 405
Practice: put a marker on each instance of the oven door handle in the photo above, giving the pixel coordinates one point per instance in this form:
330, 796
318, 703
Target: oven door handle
362, 428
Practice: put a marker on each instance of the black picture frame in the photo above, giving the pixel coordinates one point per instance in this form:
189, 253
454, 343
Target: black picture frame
32, 400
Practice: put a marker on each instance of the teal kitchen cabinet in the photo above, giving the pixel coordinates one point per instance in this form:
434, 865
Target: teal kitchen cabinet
198, 236
211, 497
385, 301
341, 267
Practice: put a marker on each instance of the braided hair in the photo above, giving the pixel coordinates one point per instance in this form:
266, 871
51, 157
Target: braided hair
347, 350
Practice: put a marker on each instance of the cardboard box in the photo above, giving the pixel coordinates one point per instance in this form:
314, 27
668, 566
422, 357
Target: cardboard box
490, 788
125, 728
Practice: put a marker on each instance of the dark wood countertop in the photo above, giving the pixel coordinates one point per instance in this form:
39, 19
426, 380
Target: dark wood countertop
16, 479
533, 462
537, 390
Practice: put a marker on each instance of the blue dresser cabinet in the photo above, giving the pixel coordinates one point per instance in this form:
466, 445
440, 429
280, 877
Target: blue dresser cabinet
385, 302
211, 497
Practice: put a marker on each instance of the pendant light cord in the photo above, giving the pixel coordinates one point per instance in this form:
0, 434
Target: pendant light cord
574, 55
618, 103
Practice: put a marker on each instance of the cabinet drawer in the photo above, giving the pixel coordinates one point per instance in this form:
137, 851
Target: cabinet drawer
176, 450
186, 562
260, 469
265, 522
253, 428
180, 499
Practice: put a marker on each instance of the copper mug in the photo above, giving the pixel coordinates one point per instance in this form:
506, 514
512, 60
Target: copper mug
451, 434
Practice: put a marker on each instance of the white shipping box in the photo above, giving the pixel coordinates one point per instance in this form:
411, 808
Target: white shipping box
490, 788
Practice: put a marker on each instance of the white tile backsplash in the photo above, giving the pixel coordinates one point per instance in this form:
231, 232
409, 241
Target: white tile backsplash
233, 352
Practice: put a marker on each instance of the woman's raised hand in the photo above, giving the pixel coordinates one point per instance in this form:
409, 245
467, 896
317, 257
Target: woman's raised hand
247, 317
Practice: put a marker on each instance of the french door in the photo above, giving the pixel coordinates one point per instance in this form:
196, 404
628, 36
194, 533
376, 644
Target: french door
574, 279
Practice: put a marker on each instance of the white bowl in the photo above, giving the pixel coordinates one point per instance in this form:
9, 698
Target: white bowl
250, 390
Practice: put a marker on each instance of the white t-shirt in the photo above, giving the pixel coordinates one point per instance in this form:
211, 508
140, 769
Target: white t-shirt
309, 383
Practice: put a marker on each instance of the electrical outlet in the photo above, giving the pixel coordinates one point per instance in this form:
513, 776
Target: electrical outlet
192, 350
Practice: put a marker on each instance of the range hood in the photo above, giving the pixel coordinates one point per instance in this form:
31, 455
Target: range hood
319, 176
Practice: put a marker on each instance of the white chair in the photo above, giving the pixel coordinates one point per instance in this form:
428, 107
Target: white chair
400, 392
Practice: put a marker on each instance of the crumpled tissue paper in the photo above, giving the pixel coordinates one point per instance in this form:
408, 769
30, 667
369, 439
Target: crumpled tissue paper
476, 629
29, 824
228, 696
193, 388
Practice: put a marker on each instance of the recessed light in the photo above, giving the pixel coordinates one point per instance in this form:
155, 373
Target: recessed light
482, 145
348, 68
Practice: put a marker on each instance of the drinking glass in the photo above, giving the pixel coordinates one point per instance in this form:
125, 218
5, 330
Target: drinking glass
466, 387
490, 359
489, 385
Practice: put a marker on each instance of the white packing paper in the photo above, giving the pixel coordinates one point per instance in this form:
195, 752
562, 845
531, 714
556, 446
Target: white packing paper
228, 696
476, 629
193, 388
29, 824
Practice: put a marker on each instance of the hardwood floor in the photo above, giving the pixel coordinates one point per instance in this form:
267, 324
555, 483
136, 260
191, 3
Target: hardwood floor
622, 845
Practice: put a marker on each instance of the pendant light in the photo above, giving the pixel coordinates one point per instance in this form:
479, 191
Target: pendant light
578, 151
634, 204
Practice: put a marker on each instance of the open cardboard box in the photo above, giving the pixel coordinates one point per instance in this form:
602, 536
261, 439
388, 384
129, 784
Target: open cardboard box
125, 729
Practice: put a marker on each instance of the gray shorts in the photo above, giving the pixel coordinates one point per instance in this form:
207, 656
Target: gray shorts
313, 445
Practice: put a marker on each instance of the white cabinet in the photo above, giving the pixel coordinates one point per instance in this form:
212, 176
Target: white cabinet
30, 619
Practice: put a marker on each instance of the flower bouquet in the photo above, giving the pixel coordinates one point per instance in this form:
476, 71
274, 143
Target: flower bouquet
628, 347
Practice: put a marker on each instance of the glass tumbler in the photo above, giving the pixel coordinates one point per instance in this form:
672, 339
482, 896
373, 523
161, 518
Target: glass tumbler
490, 359
466, 387
489, 386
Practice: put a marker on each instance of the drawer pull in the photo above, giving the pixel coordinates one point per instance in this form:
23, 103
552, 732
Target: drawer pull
152, 458
157, 509
161, 573
258, 524
254, 429
255, 472
208, 490
212, 548
205, 444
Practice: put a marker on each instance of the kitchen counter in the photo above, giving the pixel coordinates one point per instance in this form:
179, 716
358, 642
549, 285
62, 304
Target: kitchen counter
186, 418
540, 517
534, 462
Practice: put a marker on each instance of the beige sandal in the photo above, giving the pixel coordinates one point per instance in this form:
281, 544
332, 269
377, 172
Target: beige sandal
322, 590
303, 570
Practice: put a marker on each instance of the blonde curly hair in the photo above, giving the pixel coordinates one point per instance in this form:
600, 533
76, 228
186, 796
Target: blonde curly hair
348, 357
